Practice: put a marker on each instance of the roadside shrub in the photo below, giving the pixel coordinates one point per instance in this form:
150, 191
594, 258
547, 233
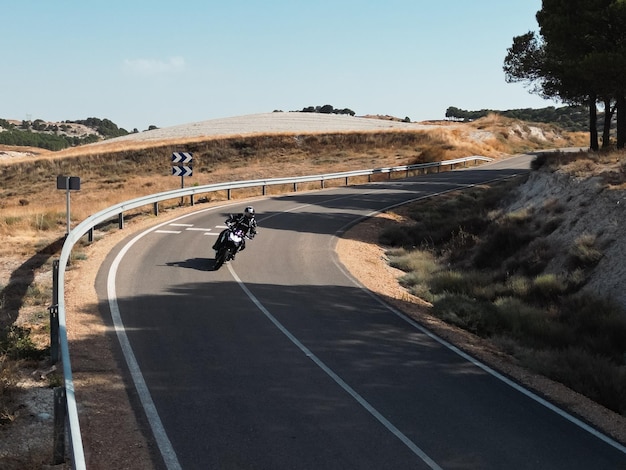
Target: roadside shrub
519, 286
417, 285
479, 317
503, 241
452, 281
585, 372
583, 254
8, 384
598, 323
539, 161
16, 344
12, 220
531, 326
397, 236
46, 221
419, 261
548, 287
531, 261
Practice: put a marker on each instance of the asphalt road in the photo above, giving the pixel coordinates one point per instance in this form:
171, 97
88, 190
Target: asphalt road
279, 360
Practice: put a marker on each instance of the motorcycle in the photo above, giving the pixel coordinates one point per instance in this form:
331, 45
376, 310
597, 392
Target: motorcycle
232, 238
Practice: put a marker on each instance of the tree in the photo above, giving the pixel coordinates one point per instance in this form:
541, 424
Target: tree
579, 57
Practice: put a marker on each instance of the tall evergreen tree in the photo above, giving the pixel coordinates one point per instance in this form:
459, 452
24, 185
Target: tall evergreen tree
578, 57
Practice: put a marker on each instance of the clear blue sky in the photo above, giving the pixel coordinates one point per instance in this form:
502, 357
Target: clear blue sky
163, 63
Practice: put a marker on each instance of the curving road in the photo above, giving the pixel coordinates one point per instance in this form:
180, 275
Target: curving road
280, 360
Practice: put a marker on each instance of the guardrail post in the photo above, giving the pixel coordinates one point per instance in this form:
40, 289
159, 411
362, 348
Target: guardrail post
323, 183
60, 413
228, 194
90, 235
120, 220
55, 282
54, 333
53, 310
156, 208
346, 181
192, 201
264, 189
295, 187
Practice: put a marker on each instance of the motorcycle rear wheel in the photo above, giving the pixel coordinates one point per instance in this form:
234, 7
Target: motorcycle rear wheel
220, 258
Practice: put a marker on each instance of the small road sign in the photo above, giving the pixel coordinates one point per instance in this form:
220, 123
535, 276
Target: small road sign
182, 171
182, 157
68, 183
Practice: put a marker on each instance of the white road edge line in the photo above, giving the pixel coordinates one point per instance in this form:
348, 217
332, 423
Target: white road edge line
307, 352
163, 443
564, 414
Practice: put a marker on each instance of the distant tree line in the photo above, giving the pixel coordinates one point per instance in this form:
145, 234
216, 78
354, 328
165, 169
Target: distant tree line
40, 134
570, 118
105, 127
327, 109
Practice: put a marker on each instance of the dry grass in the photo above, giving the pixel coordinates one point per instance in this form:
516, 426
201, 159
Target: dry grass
112, 172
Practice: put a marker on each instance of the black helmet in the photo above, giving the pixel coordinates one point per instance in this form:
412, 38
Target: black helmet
249, 212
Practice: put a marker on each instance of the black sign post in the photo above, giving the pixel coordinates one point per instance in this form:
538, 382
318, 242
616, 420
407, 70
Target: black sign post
69, 183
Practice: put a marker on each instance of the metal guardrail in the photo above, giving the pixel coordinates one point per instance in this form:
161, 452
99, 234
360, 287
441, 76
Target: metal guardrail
87, 226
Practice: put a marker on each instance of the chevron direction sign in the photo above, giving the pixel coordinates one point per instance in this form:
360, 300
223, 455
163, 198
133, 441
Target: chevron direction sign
182, 165
182, 171
182, 157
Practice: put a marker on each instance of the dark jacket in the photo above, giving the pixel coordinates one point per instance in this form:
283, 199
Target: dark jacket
248, 225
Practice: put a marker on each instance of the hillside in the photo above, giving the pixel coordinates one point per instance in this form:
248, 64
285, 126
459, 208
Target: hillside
58, 135
272, 145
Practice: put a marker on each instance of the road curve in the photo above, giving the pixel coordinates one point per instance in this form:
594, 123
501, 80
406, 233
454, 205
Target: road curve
279, 360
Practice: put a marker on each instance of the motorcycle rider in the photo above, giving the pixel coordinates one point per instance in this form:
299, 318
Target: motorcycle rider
244, 221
